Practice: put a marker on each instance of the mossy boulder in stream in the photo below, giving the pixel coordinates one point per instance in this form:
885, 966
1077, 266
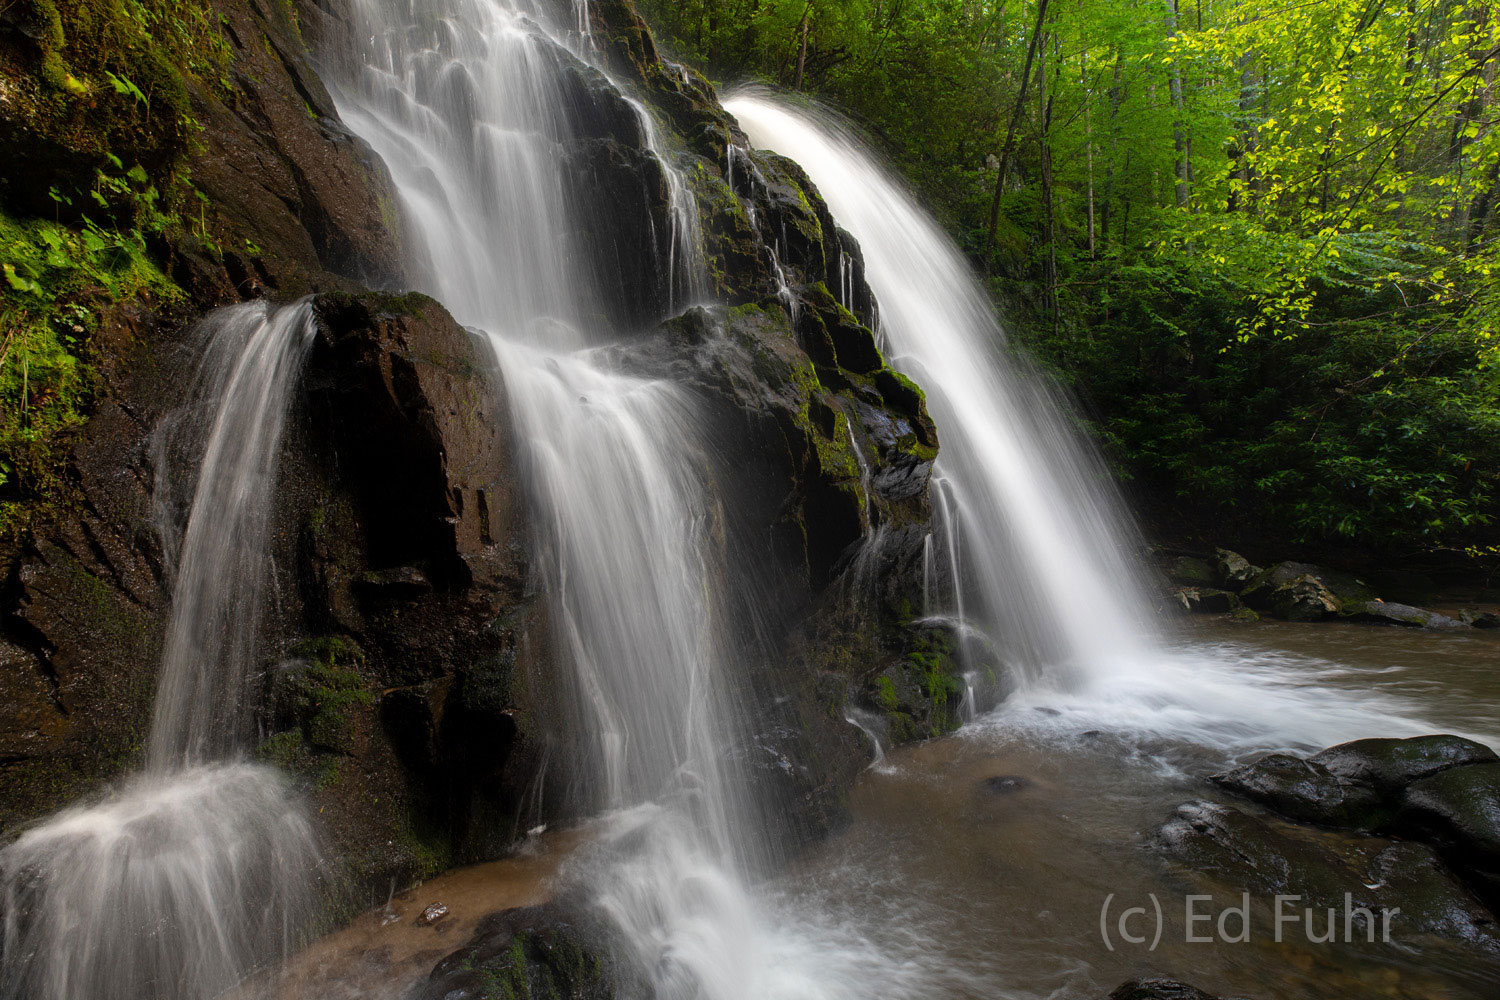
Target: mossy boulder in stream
547, 952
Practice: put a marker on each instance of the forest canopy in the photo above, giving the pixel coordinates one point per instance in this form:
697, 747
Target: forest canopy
1257, 237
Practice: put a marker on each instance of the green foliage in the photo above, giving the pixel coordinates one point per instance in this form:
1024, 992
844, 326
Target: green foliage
100, 101
1258, 238
56, 278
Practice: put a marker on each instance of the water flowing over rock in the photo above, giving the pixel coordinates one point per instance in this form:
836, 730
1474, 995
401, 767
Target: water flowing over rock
1018, 494
185, 879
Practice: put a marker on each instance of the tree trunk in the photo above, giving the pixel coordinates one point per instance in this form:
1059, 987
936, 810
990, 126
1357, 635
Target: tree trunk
1479, 212
1044, 102
1179, 138
802, 56
1010, 134
1088, 138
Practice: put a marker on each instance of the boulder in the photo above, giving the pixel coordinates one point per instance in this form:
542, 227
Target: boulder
1303, 790
1387, 766
1480, 619
1458, 810
1356, 785
1301, 592
1238, 853
1232, 571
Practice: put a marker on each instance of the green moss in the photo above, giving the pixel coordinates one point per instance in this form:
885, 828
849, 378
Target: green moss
325, 696
885, 693
55, 279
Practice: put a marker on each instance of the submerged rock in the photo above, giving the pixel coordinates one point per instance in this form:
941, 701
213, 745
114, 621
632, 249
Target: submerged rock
1242, 853
1158, 989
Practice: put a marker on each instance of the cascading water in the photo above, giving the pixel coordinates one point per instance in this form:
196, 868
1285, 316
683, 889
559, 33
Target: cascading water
200, 869
472, 109
1045, 566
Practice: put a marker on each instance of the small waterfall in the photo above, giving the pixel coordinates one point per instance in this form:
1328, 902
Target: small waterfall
189, 876
1024, 501
247, 376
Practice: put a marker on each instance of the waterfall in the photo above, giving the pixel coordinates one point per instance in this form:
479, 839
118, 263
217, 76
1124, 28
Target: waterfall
1046, 570
473, 107
248, 373
192, 874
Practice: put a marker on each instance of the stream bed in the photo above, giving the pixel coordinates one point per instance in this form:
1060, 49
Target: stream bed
977, 865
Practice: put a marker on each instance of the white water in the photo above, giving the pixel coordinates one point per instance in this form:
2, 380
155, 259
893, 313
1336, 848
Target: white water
628, 544
186, 878
1031, 511
250, 362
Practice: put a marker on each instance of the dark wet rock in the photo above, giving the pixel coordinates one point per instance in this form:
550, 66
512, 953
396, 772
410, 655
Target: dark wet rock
1357, 785
1303, 790
399, 529
1413, 876
1190, 571
1388, 765
1158, 989
1232, 571
83, 599
1240, 853
1480, 619
1207, 600
1458, 811
1443, 791
1005, 784
294, 201
1302, 592
548, 952
404, 387
1390, 613
400, 583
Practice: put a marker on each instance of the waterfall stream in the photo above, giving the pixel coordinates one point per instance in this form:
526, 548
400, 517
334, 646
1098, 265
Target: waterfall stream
1046, 568
471, 110
197, 871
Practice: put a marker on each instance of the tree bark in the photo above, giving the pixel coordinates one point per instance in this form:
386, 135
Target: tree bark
1010, 134
1179, 138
